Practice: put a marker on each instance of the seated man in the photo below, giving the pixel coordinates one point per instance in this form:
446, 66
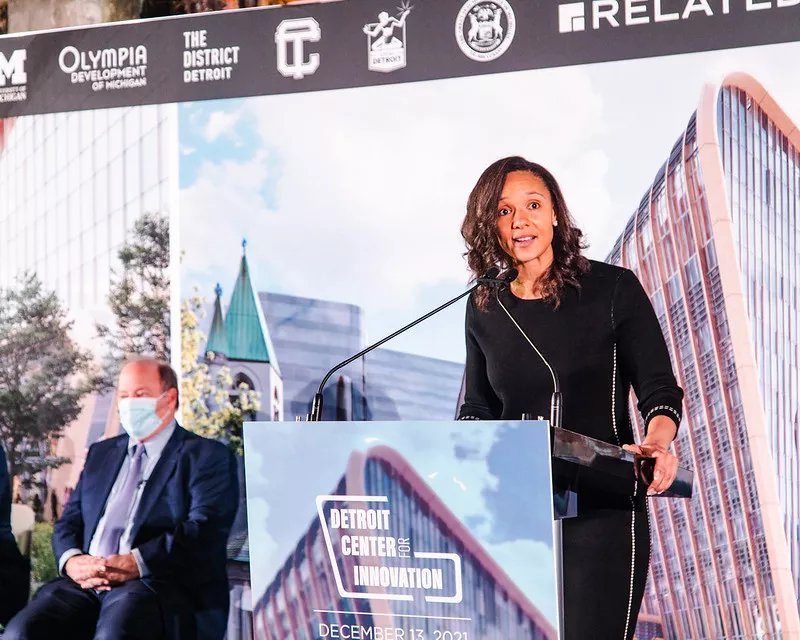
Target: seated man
142, 542
14, 569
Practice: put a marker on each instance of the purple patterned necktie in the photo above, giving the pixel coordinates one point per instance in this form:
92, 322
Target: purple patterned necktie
119, 509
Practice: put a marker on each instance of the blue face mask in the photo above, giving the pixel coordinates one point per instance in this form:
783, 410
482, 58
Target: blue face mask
138, 416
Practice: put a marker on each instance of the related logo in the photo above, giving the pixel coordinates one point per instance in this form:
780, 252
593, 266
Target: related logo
12, 71
106, 69
386, 46
575, 16
294, 34
484, 30
571, 17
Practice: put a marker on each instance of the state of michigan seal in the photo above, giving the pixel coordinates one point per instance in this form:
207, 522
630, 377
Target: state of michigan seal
485, 29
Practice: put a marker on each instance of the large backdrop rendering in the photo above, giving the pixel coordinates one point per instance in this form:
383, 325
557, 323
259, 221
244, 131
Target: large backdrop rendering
259, 194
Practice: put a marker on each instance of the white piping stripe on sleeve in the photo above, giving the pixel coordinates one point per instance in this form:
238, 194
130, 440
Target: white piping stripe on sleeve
663, 407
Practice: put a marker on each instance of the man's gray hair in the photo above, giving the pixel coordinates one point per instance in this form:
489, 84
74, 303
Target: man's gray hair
167, 375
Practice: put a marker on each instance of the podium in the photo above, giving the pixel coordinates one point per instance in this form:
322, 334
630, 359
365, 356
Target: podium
579, 460
589, 461
426, 530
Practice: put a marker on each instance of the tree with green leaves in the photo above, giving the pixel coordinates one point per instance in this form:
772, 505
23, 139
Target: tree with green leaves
44, 376
206, 393
139, 297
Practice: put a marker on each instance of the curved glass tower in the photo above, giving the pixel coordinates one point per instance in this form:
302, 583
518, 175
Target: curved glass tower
716, 244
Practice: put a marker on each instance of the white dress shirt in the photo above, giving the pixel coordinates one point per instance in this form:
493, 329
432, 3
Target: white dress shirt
152, 452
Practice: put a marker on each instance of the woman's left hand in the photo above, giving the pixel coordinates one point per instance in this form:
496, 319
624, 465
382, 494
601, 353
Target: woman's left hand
666, 465
661, 432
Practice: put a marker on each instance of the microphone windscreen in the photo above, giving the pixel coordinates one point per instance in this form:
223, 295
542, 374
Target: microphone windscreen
491, 274
510, 275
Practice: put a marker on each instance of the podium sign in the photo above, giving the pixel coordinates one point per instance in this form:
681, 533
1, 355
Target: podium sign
401, 530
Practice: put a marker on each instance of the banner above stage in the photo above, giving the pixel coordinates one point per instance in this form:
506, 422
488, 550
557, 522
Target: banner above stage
358, 43
401, 530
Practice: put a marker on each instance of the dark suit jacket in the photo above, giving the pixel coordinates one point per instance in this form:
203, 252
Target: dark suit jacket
5, 500
14, 569
182, 524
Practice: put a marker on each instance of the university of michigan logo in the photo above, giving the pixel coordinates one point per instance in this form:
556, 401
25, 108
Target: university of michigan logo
295, 33
12, 69
13, 78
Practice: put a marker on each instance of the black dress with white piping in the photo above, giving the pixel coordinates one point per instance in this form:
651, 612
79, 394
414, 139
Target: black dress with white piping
603, 339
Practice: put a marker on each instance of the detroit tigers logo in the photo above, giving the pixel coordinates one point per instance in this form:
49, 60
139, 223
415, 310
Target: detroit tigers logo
296, 33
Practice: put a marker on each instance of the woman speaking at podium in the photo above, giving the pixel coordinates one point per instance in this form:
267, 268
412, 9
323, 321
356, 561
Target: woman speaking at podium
594, 324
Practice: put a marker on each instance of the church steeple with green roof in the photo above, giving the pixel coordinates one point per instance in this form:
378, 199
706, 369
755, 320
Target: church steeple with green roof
246, 331
217, 340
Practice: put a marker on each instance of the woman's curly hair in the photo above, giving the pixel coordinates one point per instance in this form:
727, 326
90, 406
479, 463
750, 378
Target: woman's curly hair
479, 230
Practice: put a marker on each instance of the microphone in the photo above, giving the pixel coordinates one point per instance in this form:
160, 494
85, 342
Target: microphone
561, 498
498, 282
490, 278
556, 402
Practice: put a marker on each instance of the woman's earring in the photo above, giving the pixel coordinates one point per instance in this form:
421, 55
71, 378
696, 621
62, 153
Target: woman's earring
555, 224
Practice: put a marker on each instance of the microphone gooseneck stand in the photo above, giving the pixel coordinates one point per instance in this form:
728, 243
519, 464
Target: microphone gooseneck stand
556, 407
489, 278
555, 400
